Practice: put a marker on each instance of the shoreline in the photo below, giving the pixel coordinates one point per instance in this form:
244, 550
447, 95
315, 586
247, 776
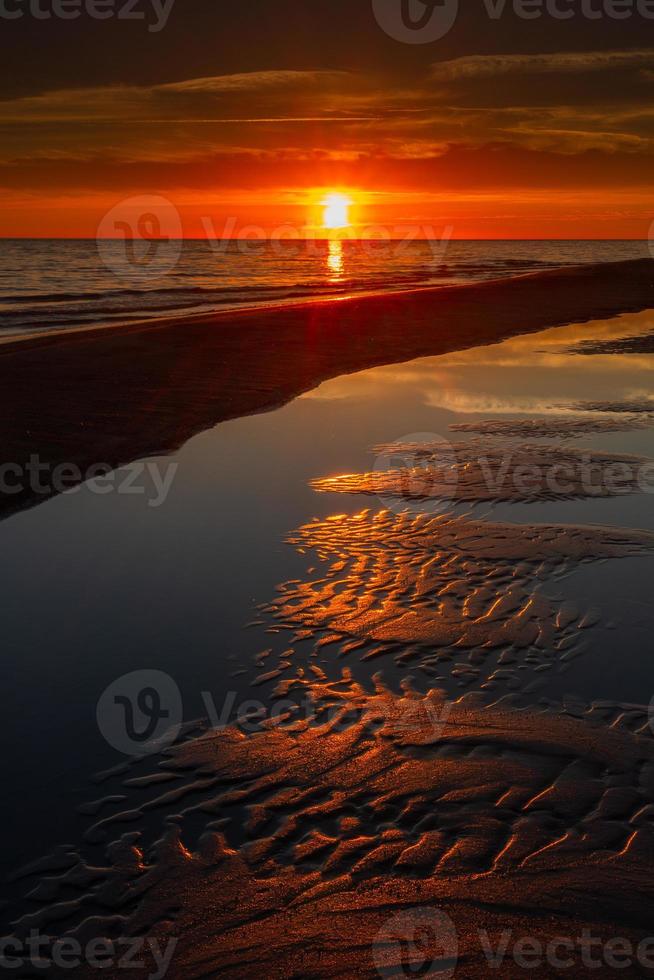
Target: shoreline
120, 393
180, 319
135, 323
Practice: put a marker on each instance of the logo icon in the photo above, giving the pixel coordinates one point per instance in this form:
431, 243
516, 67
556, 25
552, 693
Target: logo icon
416, 21
140, 713
417, 943
140, 239
417, 473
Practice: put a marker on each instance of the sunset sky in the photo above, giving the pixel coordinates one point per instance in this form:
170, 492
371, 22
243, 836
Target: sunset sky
251, 111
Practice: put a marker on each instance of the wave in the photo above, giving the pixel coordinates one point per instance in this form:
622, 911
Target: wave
204, 283
421, 273
303, 287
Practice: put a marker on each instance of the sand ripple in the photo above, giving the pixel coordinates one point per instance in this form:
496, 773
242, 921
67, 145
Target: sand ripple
475, 473
549, 427
500, 820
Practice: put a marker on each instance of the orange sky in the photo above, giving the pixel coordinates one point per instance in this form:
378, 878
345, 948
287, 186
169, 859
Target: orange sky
486, 145
603, 214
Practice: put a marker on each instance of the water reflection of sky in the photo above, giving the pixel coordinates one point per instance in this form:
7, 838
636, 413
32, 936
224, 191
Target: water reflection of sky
97, 586
529, 374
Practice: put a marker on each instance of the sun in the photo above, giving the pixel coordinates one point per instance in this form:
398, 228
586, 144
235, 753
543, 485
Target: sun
336, 211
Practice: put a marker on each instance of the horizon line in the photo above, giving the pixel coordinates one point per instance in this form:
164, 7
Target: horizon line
296, 241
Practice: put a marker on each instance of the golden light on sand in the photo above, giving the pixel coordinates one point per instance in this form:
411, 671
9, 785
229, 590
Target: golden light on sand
336, 213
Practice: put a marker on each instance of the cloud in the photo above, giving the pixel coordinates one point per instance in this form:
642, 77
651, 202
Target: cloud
255, 81
252, 128
245, 95
483, 66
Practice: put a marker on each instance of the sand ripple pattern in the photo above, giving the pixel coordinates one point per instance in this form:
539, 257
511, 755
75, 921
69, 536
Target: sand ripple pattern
285, 850
550, 427
639, 344
475, 473
644, 406
447, 590
501, 819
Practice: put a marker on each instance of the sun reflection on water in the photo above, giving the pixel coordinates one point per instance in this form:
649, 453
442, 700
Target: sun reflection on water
335, 263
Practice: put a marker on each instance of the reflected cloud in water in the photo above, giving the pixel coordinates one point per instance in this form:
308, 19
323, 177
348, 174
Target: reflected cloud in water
534, 374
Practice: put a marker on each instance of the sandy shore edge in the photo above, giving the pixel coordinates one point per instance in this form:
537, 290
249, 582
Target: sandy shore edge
118, 394
332, 303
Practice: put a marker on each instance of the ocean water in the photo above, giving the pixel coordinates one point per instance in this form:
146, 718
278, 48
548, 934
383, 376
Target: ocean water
48, 284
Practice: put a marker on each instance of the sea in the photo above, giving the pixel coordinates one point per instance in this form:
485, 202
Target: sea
54, 284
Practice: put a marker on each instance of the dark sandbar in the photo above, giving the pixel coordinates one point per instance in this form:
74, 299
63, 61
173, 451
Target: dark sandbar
115, 395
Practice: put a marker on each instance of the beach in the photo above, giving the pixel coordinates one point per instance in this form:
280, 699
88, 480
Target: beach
326, 482
414, 667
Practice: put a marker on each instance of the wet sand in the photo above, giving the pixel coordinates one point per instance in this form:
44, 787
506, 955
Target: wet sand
476, 472
110, 396
385, 836
352, 829
355, 831
397, 838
